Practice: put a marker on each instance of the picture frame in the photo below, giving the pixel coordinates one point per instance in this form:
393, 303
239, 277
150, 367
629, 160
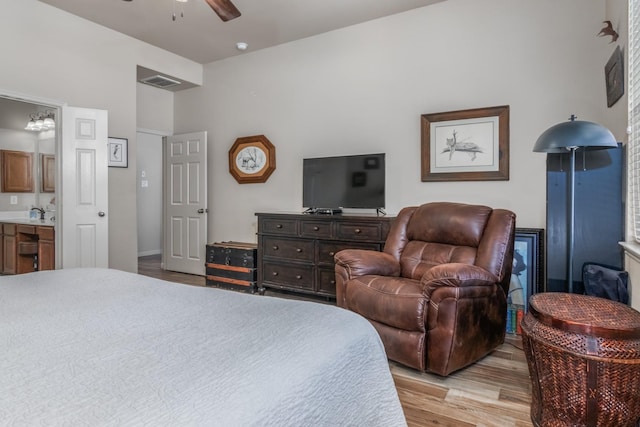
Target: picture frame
118, 152
527, 275
614, 77
252, 159
465, 145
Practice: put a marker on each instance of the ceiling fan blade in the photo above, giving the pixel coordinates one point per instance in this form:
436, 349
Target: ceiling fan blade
224, 8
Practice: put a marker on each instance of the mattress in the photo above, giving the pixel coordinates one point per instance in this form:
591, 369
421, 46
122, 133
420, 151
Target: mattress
102, 347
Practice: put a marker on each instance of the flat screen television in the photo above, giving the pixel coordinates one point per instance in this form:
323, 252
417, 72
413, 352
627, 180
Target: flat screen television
330, 184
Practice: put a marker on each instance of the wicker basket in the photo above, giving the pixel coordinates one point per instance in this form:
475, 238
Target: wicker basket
583, 354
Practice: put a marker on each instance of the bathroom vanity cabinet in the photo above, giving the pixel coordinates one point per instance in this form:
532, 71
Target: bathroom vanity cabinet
27, 246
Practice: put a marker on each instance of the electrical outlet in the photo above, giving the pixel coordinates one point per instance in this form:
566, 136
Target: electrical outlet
144, 183
14, 200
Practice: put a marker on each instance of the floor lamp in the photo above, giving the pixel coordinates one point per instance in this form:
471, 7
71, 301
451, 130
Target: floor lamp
569, 137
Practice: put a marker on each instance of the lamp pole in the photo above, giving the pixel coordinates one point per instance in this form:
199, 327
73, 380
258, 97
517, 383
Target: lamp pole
571, 216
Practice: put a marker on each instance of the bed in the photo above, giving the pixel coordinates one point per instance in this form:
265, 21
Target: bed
104, 347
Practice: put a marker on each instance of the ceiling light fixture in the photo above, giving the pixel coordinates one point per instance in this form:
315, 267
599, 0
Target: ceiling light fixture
42, 120
241, 46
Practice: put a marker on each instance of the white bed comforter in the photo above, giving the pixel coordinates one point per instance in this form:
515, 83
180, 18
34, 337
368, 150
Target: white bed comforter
95, 347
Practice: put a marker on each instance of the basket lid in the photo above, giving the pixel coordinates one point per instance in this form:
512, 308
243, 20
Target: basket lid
585, 314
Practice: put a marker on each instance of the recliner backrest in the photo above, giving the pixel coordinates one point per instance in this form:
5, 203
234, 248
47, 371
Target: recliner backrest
436, 233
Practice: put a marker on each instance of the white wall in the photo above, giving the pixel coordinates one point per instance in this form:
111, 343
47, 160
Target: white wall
86, 65
362, 90
154, 109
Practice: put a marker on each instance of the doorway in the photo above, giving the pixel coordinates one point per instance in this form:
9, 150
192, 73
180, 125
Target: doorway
149, 193
172, 200
41, 145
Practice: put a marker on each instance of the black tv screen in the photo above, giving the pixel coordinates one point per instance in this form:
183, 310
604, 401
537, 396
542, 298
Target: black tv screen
344, 182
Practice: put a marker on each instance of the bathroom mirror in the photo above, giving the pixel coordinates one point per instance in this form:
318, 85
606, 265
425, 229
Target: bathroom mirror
31, 154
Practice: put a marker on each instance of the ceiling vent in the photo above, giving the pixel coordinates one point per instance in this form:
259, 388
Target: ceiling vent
160, 81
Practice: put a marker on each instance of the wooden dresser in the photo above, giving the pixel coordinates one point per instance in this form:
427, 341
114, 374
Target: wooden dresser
295, 251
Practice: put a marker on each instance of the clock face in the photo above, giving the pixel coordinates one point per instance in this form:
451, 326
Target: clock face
251, 159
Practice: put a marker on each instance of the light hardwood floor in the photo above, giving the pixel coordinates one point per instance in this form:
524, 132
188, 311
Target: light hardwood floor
496, 391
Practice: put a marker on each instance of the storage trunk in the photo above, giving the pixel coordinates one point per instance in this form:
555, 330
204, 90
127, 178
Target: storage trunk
232, 265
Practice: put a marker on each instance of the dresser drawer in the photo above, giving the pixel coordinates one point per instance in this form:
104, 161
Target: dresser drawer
359, 231
287, 227
326, 250
326, 284
300, 250
315, 229
288, 275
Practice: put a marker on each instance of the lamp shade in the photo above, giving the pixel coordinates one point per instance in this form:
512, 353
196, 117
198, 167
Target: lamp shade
574, 134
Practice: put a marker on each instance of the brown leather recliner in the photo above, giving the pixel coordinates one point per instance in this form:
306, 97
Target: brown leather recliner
437, 294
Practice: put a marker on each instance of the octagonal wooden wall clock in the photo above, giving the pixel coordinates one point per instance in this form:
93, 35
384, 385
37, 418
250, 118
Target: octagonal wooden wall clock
252, 159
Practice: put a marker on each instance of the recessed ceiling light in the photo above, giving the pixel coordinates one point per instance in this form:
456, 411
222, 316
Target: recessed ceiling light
242, 46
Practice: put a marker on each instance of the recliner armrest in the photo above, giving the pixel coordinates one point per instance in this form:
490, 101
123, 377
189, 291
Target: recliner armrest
456, 275
361, 262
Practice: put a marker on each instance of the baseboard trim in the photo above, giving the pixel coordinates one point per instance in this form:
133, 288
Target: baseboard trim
147, 253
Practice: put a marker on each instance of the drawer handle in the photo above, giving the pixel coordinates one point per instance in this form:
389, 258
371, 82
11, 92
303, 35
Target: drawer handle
357, 231
316, 228
278, 225
298, 277
275, 273
333, 282
298, 250
275, 247
331, 253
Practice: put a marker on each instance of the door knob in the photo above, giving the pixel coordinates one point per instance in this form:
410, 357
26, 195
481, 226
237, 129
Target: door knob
101, 214
203, 210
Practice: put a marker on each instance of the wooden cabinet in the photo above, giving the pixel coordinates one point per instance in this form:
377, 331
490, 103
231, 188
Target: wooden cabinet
295, 251
46, 248
1, 248
9, 249
27, 248
17, 171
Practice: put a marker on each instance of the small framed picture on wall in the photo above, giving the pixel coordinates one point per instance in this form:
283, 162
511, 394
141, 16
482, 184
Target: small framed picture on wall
118, 152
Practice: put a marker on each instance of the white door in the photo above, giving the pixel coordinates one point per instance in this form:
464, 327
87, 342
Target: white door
84, 193
185, 201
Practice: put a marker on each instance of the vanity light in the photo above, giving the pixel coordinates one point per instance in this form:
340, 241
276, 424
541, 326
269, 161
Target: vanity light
31, 125
49, 123
41, 121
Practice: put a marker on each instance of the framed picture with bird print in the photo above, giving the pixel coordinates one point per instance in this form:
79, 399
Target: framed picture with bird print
466, 145
118, 152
